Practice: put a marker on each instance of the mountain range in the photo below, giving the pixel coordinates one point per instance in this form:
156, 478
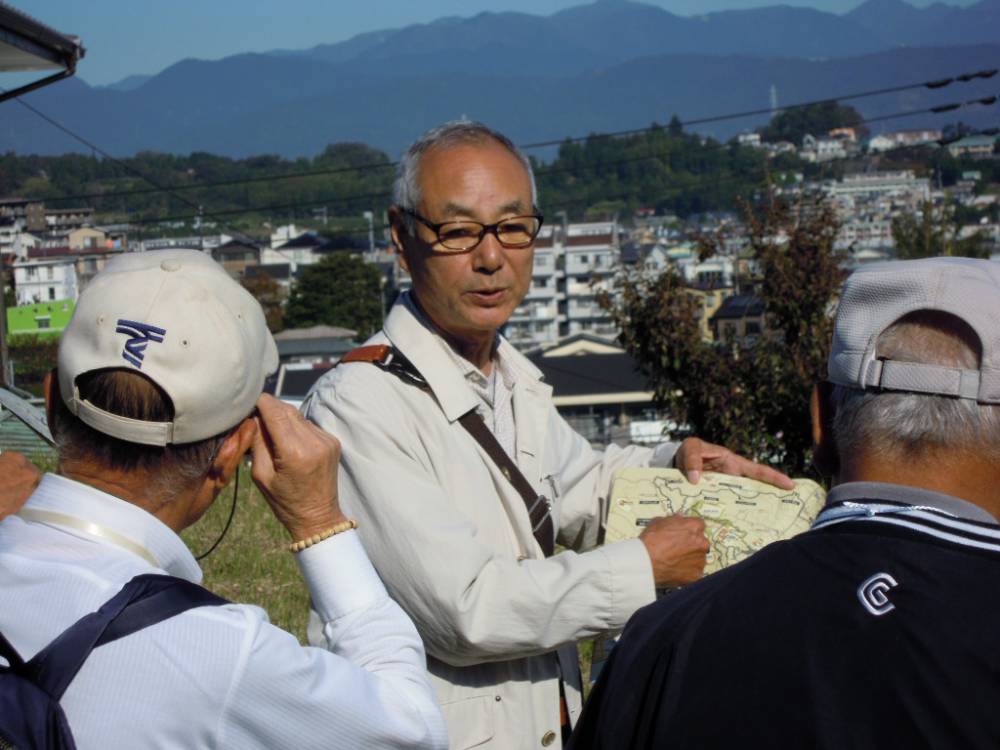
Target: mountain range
606, 66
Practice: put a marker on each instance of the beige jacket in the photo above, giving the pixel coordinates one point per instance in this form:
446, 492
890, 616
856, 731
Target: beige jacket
452, 541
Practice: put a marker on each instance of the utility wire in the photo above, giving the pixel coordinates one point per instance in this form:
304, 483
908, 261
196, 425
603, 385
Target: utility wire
935, 84
986, 101
106, 155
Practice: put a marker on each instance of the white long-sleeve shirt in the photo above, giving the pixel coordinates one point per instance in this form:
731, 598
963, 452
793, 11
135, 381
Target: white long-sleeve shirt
211, 677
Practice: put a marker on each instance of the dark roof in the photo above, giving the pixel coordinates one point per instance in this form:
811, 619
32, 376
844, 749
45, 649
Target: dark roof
589, 239
740, 306
306, 239
27, 44
591, 374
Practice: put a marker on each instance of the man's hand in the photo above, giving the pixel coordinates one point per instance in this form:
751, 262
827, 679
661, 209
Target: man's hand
695, 456
677, 546
295, 466
18, 479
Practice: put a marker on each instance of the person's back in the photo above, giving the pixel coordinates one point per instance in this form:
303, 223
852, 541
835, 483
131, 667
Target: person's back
877, 627
143, 452
781, 650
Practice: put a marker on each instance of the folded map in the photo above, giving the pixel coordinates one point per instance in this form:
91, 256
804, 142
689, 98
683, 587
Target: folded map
741, 515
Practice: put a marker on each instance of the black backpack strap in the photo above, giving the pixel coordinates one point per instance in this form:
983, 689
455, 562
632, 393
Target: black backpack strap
8, 652
143, 601
539, 509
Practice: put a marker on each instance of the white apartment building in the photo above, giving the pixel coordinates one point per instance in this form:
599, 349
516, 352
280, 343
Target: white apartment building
878, 191
573, 263
45, 280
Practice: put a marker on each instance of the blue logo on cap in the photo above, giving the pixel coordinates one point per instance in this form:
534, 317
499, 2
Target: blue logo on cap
141, 334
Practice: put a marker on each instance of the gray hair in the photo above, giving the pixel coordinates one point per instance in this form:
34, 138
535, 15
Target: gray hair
406, 189
171, 469
896, 424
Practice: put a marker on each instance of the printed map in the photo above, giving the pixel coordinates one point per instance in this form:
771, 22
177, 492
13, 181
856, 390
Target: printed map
741, 515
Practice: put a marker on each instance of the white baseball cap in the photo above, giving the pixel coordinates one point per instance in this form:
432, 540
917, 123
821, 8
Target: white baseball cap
179, 319
878, 295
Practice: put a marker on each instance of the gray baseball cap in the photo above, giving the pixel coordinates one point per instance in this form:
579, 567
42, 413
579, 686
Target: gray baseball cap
179, 319
876, 296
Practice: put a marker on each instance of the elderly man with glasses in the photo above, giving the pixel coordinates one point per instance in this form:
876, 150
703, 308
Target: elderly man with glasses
464, 477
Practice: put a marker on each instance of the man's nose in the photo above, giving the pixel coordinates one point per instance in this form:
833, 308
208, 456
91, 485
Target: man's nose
489, 255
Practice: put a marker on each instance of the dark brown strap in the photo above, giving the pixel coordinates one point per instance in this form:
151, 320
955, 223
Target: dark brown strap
538, 506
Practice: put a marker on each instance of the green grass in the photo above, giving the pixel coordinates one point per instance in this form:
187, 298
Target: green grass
252, 564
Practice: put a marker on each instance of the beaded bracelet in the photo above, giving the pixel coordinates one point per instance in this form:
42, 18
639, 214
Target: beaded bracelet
317, 538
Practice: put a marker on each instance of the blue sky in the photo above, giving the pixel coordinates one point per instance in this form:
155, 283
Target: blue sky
127, 37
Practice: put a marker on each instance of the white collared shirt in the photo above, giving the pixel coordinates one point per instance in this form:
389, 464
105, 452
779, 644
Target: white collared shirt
213, 676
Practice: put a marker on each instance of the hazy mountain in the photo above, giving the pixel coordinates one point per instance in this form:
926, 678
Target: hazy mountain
897, 23
129, 83
290, 105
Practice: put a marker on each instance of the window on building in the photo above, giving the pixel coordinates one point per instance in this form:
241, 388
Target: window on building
43, 322
753, 328
52, 292
31, 271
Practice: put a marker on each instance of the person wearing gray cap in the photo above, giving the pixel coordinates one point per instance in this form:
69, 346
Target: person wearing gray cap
877, 628
156, 399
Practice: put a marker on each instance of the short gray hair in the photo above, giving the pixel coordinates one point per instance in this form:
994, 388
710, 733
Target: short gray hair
406, 189
900, 424
171, 469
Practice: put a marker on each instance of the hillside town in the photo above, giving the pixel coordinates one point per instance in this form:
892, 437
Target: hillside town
52, 254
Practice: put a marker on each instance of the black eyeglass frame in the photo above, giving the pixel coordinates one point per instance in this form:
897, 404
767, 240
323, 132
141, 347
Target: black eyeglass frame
483, 231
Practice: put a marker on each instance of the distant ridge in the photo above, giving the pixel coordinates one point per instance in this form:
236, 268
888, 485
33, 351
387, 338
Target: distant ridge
605, 66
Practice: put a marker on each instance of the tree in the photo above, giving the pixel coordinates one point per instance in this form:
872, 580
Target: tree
815, 119
268, 292
340, 290
932, 233
753, 398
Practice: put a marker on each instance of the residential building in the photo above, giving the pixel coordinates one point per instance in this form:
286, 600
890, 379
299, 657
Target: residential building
236, 255
974, 146
45, 280
596, 385
739, 318
573, 264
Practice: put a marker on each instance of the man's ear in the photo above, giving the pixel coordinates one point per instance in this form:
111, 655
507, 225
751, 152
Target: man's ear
822, 412
397, 229
233, 448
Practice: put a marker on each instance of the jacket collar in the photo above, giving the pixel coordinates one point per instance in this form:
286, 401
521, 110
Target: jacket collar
431, 355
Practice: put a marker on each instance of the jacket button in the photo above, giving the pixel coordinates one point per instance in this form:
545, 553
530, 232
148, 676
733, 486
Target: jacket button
548, 738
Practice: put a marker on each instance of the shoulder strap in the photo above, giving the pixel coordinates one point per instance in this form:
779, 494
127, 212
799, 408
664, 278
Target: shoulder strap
143, 601
539, 508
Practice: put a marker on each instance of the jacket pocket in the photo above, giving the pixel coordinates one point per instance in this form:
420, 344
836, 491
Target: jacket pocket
470, 721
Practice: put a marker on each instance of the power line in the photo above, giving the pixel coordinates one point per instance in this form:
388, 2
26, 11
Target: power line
174, 190
106, 155
986, 101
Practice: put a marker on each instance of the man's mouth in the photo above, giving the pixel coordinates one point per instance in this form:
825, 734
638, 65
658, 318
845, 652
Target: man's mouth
488, 295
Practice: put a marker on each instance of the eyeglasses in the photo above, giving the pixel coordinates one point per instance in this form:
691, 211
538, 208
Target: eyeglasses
462, 236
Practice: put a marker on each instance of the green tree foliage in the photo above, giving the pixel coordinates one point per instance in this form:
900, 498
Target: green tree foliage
663, 168
268, 292
752, 398
934, 233
73, 180
816, 119
340, 290
32, 357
